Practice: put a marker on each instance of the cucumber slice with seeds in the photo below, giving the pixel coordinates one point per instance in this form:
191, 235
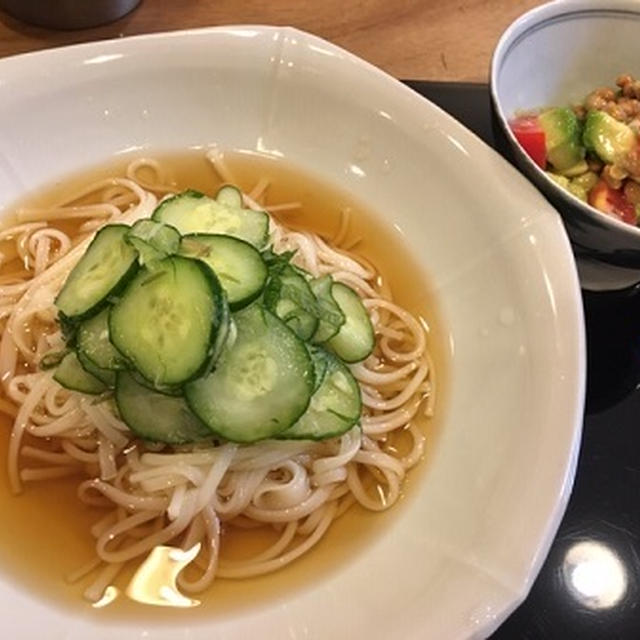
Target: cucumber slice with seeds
193, 212
238, 265
355, 339
93, 342
167, 321
71, 375
105, 268
334, 408
261, 384
155, 416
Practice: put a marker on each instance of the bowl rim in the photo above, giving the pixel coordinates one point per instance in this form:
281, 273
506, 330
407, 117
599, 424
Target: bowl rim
523, 24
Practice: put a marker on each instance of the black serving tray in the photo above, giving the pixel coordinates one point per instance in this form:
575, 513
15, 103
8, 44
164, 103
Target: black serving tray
589, 585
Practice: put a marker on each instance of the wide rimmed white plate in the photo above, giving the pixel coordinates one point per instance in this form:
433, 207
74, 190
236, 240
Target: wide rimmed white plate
465, 549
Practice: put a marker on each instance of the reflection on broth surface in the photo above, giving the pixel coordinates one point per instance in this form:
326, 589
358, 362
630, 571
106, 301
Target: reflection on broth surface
56, 532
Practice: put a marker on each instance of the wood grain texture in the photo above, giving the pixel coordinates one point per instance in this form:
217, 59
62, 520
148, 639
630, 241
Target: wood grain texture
449, 40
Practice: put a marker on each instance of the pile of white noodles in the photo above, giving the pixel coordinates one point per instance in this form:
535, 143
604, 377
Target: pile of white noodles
154, 495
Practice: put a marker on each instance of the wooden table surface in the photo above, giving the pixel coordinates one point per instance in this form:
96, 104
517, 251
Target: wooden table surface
448, 40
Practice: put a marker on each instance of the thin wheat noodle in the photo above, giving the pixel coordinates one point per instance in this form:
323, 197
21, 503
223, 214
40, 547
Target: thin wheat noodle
352, 280
122, 498
341, 260
301, 510
216, 158
19, 427
104, 209
417, 450
13, 290
106, 577
377, 425
47, 473
15, 277
60, 426
259, 190
248, 570
343, 227
17, 230
149, 163
107, 458
83, 571
349, 445
397, 401
100, 186
164, 535
104, 523
52, 457
212, 536
286, 207
360, 494
55, 408
286, 537
189, 472
363, 374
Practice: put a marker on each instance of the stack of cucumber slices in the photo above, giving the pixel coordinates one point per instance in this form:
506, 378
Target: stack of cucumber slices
199, 330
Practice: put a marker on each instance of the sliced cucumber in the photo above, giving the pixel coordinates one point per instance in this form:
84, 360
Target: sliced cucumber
276, 261
230, 196
289, 296
334, 408
320, 363
330, 317
167, 321
105, 268
222, 335
155, 416
153, 240
93, 341
238, 265
262, 383
192, 212
165, 390
108, 376
52, 359
71, 375
355, 339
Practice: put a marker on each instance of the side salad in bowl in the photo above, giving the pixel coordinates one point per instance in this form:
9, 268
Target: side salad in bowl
591, 149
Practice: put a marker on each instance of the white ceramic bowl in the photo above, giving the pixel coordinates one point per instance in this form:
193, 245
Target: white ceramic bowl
555, 55
464, 550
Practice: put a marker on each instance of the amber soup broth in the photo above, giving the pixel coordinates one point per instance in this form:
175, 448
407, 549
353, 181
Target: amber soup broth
45, 532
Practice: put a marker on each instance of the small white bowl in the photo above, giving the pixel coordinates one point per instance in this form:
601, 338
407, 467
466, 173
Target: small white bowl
555, 55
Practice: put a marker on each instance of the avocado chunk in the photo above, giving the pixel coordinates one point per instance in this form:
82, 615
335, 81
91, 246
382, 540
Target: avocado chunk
576, 170
607, 137
562, 137
563, 181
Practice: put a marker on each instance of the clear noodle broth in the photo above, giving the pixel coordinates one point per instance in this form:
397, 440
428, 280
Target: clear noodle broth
46, 534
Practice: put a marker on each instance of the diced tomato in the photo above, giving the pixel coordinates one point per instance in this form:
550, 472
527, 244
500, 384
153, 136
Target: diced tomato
612, 202
529, 134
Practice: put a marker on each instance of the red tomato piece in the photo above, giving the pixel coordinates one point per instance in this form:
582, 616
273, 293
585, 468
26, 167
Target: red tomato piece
612, 202
528, 133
